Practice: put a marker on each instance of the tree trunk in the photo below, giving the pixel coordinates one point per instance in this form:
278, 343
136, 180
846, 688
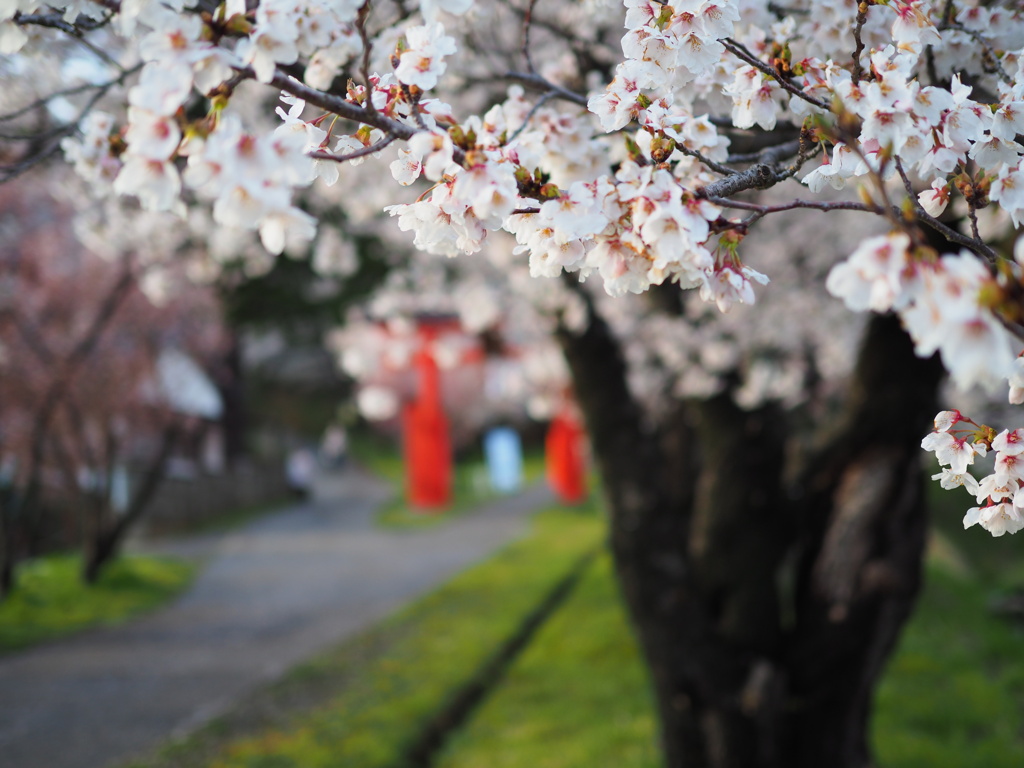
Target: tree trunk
766, 607
105, 540
6, 547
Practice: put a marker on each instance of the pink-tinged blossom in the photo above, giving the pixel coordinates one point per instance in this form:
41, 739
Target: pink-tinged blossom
265, 50
406, 168
91, 153
845, 164
435, 150
935, 199
997, 519
967, 119
432, 8
1008, 191
162, 88
1008, 120
730, 285
948, 480
280, 227
155, 182
621, 264
1016, 395
422, 63
618, 104
955, 452
1009, 442
490, 189
992, 153
753, 99
151, 135
872, 278
946, 420
1000, 486
912, 29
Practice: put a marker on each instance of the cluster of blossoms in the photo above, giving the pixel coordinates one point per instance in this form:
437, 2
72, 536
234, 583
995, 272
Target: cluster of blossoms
946, 303
957, 441
636, 188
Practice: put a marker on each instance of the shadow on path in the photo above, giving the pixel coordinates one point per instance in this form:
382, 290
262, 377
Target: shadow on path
271, 594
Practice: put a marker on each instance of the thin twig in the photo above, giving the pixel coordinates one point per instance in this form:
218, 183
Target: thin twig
11, 171
713, 165
814, 205
973, 244
343, 108
539, 83
858, 48
364, 37
527, 21
529, 115
354, 154
989, 52
740, 52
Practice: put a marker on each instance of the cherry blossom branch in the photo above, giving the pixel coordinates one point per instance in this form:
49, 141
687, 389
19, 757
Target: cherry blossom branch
8, 172
355, 154
539, 83
713, 165
76, 30
763, 175
336, 105
346, 109
761, 211
975, 245
102, 87
527, 23
988, 53
56, 21
858, 48
545, 97
364, 37
740, 52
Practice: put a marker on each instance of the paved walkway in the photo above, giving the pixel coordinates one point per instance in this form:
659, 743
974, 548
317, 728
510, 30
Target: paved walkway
271, 594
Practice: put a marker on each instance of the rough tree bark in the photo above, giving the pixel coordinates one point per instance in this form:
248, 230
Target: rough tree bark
766, 597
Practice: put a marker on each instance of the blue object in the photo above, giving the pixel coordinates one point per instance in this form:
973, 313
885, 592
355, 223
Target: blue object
504, 454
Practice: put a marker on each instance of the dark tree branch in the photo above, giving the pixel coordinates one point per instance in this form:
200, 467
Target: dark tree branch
763, 175
740, 52
538, 83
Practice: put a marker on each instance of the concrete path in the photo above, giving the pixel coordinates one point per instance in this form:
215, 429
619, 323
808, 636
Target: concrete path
270, 595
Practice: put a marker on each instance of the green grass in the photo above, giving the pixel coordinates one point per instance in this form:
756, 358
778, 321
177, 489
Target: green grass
50, 599
953, 695
365, 703
577, 697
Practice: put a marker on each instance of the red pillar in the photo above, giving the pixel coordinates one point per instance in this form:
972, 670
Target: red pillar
564, 454
428, 455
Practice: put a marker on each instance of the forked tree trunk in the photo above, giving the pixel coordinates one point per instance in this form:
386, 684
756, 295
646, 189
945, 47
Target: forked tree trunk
766, 599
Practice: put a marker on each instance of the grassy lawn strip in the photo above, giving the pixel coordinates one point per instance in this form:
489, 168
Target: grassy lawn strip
577, 698
50, 599
954, 692
953, 695
367, 702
